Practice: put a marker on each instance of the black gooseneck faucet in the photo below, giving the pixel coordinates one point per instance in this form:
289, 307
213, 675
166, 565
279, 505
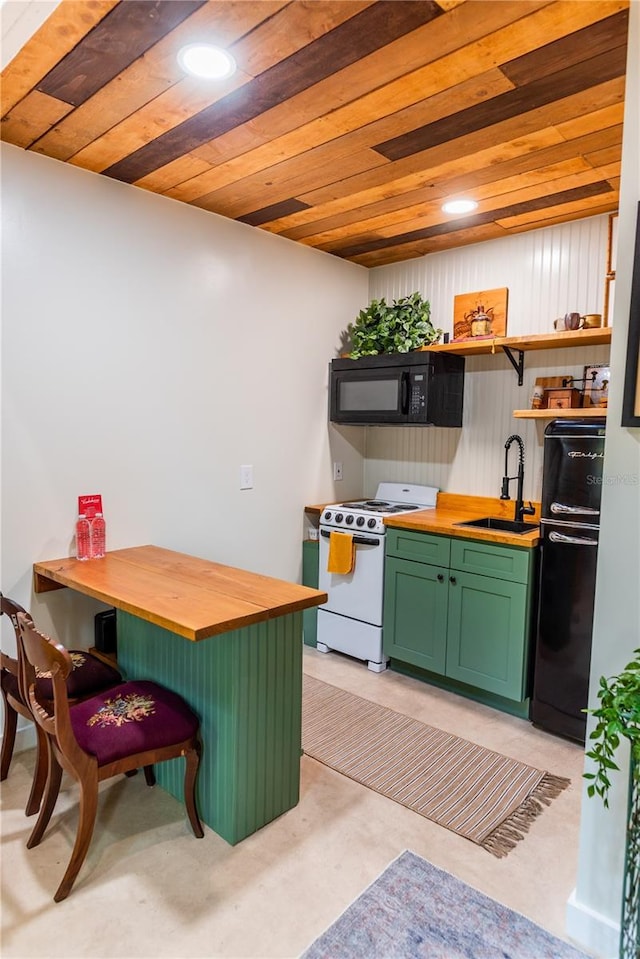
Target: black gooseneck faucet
521, 509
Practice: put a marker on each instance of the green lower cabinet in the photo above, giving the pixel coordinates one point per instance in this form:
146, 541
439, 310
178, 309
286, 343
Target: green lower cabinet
310, 559
487, 634
415, 613
468, 620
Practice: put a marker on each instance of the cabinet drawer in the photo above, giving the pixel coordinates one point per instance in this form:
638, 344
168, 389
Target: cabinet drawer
421, 547
501, 562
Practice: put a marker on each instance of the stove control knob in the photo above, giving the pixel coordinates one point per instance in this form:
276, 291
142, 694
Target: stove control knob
371, 523
360, 521
327, 516
339, 517
349, 519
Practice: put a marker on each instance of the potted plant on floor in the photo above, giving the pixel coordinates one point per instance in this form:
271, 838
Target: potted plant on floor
618, 718
402, 326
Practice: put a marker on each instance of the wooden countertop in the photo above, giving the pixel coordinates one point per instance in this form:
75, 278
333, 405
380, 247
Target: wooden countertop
192, 597
454, 508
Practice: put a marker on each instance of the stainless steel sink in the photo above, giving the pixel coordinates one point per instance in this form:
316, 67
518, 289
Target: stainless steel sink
502, 525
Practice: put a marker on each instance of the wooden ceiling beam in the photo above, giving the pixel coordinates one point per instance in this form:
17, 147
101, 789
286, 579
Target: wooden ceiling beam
411, 88
418, 49
31, 117
535, 183
417, 248
296, 176
114, 108
66, 26
533, 216
347, 123
445, 180
501, 215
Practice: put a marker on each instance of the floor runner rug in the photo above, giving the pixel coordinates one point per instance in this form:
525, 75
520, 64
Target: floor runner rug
473, 791
416, 911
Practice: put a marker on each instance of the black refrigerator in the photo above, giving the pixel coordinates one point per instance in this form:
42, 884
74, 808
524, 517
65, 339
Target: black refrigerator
570, 526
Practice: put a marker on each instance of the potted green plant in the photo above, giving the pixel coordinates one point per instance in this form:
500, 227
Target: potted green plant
618, 717
397, 328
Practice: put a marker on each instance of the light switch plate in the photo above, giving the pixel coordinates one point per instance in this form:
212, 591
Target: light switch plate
246, 477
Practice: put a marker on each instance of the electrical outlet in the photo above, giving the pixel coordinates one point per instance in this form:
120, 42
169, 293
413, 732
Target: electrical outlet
337, 471
246, 477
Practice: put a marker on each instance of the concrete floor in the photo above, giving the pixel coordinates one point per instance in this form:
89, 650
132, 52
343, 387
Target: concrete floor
149, 888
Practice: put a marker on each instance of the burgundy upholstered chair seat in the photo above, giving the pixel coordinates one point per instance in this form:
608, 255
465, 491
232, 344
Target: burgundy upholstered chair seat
131, 718
88, 676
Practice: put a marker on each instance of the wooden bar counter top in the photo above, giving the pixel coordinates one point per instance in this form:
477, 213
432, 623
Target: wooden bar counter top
192, 597
230, 643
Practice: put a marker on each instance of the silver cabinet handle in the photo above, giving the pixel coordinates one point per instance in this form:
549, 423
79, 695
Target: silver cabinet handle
584, 510
576, 540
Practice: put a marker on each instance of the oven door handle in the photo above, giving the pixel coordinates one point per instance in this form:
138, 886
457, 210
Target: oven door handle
358, 540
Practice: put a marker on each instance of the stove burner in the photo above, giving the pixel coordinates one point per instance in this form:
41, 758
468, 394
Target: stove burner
379, 506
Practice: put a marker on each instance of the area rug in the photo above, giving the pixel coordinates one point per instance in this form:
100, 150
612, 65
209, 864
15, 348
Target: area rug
476, 793
416, 911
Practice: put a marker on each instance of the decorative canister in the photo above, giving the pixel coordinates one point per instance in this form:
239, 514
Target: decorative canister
480, 325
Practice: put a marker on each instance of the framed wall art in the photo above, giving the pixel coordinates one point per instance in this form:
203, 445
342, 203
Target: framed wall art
480, 315
631, 391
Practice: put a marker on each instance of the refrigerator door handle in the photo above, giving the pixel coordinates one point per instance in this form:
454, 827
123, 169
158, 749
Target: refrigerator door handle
574, 510
575, 540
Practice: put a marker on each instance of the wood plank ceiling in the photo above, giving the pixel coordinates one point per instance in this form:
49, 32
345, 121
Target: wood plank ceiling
348, 122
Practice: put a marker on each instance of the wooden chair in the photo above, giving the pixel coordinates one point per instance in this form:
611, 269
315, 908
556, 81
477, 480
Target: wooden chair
131, 725
89, 675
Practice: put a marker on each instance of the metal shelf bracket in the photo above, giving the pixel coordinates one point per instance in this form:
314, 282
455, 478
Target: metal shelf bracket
518, 364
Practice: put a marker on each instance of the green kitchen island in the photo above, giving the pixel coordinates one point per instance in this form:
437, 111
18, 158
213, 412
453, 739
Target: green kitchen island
228, 641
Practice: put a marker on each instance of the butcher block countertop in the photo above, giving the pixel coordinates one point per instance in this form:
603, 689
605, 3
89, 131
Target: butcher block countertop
192, 597
454, 508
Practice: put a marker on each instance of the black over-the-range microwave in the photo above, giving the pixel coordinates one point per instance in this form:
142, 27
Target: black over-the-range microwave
399, 389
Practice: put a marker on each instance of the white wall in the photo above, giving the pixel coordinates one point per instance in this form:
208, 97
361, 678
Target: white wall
148, 350
547, 272
595, 907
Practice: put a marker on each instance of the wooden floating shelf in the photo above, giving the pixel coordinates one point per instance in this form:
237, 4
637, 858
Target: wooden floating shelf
601, 335
591, 412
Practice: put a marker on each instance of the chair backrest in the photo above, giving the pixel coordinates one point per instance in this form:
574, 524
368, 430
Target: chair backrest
41, 655
9, 607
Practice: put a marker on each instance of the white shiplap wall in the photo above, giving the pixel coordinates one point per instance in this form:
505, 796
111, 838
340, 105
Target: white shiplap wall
548, 273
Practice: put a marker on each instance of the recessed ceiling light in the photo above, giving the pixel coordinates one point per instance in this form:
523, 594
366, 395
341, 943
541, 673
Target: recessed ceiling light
459, 206
205, 60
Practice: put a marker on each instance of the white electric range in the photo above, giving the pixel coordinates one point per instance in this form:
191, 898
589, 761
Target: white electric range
351, 620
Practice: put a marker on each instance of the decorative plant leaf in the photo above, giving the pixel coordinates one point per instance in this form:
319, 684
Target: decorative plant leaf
618, 716
400, 327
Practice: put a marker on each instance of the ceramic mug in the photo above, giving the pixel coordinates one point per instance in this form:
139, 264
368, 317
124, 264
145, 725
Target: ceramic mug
572, 321
567, 322
591, 320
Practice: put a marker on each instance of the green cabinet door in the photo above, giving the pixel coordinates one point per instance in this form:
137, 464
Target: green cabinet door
415, 613
487, 635
310, 559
